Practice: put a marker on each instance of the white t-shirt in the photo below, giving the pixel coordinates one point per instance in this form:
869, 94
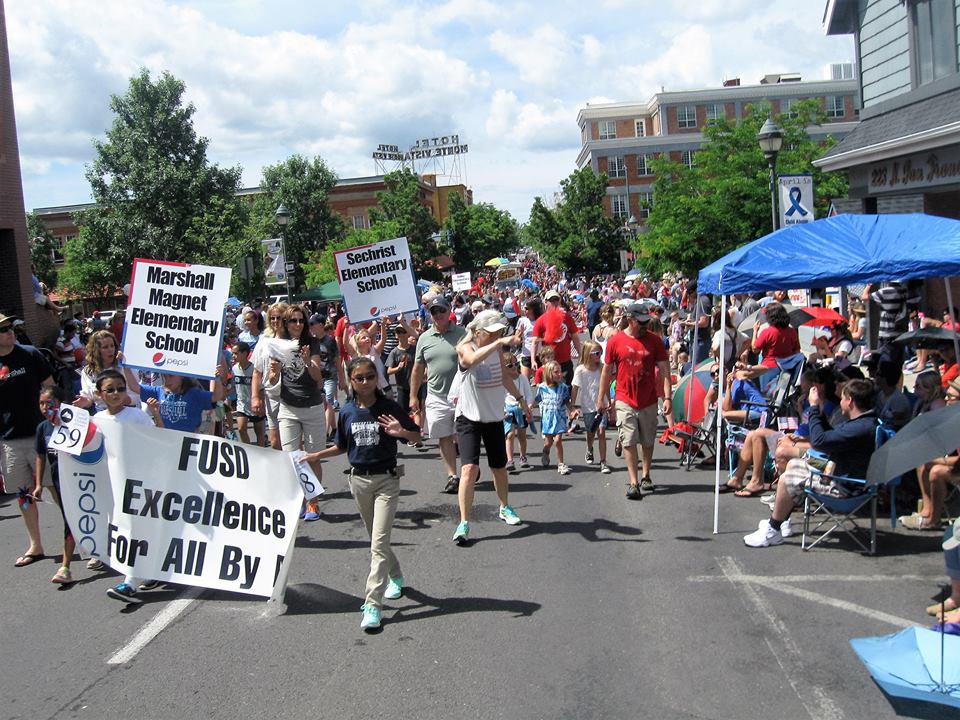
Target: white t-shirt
589, 383
482, 393
128, 416
523, 385
525, 326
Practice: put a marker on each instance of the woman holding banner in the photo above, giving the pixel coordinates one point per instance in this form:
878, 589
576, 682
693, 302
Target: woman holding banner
368, 428
262, 405
102, 351
296, 386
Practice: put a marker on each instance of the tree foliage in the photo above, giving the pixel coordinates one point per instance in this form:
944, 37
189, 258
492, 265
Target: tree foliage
400, 204
478, 233
151, 181
704, 212
42, 245
303, 186
575, 233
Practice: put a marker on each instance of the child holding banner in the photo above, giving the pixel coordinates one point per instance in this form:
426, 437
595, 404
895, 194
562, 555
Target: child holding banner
368, 428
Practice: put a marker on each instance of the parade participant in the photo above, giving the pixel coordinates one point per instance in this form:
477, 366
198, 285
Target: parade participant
557, 328
102, 352
259, 402
362, 344
633, 356
532, 310
436, 361
583, 397
479, 413
252, 328
332, 368
367, 431
181, 401
553, 398
23, 371
295, 385
50, 399
400, 364
242, 380
516, 420
112, 389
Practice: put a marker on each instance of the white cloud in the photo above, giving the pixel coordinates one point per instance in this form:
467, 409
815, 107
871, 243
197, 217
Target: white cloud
533, 126
540, 57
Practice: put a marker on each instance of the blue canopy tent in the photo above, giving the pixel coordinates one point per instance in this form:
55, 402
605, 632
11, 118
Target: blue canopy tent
840, 250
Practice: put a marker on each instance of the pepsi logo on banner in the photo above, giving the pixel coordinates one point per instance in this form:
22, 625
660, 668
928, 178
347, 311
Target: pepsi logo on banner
376, 280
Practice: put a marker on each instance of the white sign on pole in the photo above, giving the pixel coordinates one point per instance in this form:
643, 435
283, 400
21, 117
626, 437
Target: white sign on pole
799, 298
183, 508
376, 280
796, 199
461, 281
174, 317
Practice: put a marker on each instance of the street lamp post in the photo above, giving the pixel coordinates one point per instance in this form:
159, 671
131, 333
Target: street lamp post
770, 138
282, 216
629, 232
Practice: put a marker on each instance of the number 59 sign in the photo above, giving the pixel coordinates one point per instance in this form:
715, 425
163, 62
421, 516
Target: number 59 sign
71, 433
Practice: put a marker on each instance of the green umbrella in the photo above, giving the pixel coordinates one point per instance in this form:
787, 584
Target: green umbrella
328, 292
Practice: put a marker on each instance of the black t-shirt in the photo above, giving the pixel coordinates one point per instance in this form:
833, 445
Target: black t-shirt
297, 387
393, 359
22, 372
329, 356
367, 445
42, 446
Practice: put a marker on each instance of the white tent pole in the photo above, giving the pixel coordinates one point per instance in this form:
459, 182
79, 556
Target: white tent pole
693, 358
721, 375
956, 343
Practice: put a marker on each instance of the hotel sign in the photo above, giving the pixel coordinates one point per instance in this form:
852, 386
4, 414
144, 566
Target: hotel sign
422, 149
921, 170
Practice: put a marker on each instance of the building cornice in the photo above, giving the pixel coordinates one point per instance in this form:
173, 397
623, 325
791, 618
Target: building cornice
894, 147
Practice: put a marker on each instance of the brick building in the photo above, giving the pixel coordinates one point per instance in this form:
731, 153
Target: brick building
16, 290
621, 139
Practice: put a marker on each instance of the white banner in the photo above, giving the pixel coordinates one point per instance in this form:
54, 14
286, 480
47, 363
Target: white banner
174, 319
184, 508
274, 263
376, 280
461, 281
796, 199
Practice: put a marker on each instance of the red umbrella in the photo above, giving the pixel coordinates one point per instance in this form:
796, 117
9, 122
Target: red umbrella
821, 316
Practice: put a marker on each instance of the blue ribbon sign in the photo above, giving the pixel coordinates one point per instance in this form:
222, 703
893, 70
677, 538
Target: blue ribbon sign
795, 206
796, 199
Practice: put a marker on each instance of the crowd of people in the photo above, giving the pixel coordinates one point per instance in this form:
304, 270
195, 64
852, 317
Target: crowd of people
475, 372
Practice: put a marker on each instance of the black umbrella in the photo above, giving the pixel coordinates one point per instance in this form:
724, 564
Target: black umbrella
927, 337
927, 436
798, 317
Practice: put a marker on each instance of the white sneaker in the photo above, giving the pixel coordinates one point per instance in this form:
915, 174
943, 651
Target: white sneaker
786, 527
765, 536
604, 468
769, 499
516, 466
563, 469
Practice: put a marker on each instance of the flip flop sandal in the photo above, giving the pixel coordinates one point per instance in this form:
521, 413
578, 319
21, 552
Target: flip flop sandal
28, 559
726, 489
744, 493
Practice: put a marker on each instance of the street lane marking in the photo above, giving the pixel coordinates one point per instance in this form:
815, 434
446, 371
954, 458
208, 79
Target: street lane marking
153, 628
835, 602
813, 698
814, 578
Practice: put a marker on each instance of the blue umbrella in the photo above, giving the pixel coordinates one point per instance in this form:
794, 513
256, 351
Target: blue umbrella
530, 284
912, 664
423, 284
233, 302
636, 272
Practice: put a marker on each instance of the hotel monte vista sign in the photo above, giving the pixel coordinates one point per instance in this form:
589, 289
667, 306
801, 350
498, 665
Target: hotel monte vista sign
912, 172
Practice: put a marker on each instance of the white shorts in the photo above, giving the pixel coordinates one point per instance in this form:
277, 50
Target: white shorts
440, 417
18, 459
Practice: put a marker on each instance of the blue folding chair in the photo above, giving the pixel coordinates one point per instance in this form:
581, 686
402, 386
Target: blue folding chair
838, 513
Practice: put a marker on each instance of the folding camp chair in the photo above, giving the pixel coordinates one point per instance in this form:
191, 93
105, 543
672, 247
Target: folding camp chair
698, 442
782, 391
838, 513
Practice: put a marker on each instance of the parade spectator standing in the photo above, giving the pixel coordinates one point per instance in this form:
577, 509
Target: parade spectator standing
593, 311
633, 357
436, 362
23, 371
556, 328
698, 324
480, 413
778, 340
895, 301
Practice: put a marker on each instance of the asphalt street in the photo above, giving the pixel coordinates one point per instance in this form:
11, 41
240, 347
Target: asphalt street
594, 607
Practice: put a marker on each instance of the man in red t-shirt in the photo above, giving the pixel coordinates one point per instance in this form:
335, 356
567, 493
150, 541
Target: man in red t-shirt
633, 355
559, 330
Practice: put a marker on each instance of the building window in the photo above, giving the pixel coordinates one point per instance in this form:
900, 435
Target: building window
59, 248
686, 116
639, 128
646, 203
359, 222
834, 106
645, 164
620, 206
934, 39
715, 112
687, 158
616, 167
608, 129
786, 108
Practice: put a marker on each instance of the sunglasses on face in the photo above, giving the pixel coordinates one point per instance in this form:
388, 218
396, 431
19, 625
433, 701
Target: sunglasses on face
364, 378
6, 328
596, 353
295, 321
114, 390
510, 365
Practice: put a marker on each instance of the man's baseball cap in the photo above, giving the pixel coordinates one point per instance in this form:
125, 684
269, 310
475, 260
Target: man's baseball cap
638, 311
439, 302
317, 319
552, 295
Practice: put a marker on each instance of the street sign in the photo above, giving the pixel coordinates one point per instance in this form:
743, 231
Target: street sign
290, 267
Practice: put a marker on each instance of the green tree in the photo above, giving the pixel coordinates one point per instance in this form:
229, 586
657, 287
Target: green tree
87, 273
400, 203
151, 180
42, 245
303, 186
479, 232
704, 212
575, 234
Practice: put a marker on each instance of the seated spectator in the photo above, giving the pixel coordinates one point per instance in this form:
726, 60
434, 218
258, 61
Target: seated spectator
929, 392
849, 445
949, 610
841, 344
893, 406
933, 477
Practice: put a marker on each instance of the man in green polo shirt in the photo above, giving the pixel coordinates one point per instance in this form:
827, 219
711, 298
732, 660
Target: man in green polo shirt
436, 360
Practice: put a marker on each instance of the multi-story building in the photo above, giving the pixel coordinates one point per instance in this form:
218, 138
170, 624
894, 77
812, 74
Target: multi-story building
622, 139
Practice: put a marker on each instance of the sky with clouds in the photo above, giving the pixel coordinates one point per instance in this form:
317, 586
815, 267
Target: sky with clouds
335, 79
